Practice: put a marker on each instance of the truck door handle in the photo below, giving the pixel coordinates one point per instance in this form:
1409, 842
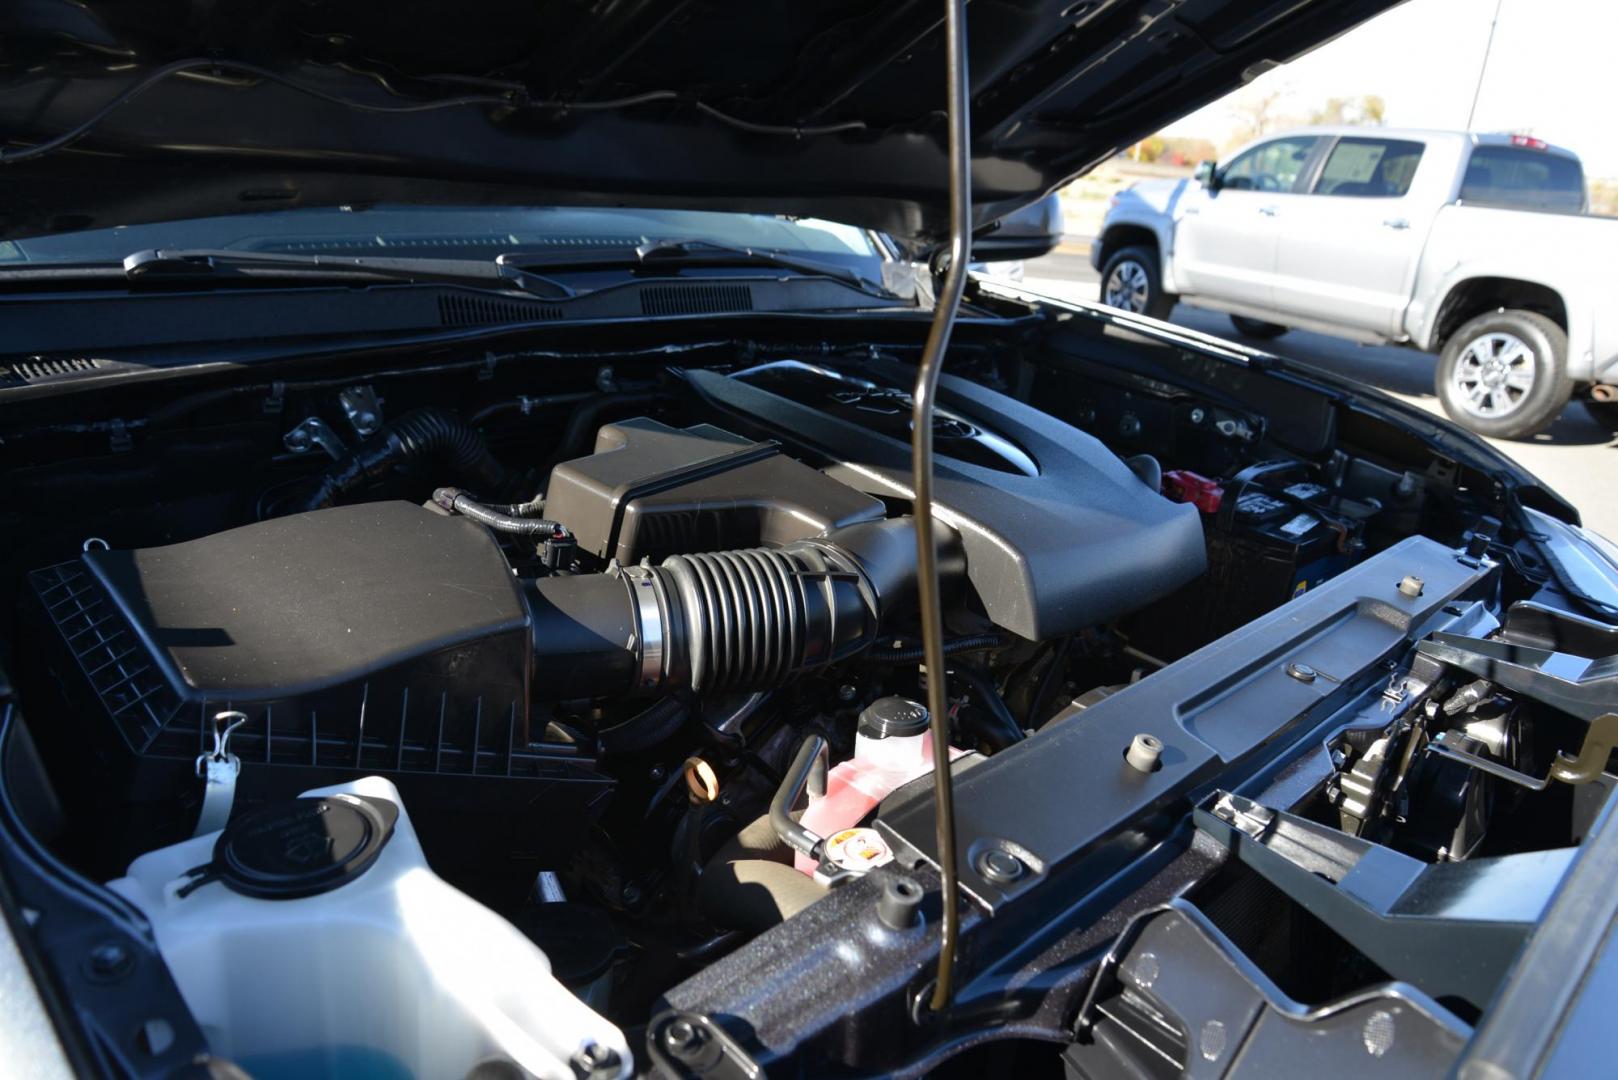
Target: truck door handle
1267, 211
1396, 223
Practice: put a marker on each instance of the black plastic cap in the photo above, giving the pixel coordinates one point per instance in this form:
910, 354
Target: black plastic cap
900, 903
303, 847
892, 717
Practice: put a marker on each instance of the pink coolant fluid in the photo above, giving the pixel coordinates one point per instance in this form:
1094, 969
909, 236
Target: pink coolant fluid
892, 747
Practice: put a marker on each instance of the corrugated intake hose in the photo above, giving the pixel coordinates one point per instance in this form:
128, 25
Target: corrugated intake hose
424, 434
750, 619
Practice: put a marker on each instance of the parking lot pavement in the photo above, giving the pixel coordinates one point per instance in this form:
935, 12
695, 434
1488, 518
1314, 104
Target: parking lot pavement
1577, 456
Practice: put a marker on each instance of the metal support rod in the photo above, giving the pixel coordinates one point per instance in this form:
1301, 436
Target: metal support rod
921, 464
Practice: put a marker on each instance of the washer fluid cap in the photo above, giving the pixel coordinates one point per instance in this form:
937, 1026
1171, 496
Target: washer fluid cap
303, 847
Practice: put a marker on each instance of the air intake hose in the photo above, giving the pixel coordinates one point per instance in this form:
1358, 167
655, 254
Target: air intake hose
724, 620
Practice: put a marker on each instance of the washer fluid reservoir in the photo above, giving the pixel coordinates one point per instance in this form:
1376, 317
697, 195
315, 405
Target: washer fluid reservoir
309, 938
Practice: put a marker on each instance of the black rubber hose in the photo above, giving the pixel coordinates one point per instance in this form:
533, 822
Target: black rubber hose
421, 435
498, 518
578, 438
1036, 707
645, 729
723, 620
792, 834
1003, 730
915, 653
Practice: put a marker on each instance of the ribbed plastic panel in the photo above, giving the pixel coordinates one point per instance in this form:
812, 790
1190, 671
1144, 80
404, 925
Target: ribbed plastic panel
111, 657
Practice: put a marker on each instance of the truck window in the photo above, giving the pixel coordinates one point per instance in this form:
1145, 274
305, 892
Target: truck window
1523, 179
1271, 166
1369, 168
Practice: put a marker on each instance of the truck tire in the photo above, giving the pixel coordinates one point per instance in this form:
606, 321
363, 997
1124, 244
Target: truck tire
1132, 280
1504, 374
1257, 329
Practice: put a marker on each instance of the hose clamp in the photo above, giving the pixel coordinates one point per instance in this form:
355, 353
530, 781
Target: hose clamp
649, 630
218, 771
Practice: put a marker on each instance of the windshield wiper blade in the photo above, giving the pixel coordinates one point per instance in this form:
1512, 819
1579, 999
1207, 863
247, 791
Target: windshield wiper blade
691, 252
173, 264
697, 251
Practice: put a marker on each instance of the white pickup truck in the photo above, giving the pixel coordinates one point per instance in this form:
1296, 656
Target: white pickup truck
1475, 247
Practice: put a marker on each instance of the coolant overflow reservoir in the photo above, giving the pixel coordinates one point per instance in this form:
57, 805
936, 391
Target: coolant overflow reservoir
309, 938
892, 746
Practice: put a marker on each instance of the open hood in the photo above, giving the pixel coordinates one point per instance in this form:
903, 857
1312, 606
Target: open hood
176, 109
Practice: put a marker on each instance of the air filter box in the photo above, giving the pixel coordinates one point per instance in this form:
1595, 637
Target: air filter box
381, 638
651, 490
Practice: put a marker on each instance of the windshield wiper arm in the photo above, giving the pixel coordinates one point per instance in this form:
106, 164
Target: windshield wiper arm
165, 264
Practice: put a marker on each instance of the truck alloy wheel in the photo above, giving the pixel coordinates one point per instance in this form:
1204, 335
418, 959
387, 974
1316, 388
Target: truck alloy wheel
1132, 281
1504, 374
1494, 375
1127, 288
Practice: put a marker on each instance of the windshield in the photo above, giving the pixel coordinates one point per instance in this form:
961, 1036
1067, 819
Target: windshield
454, 233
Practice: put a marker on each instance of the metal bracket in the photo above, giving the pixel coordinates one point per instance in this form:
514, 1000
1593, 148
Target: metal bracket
275, 401
363, 409
1576, 685
1590, 763
312, 433
1450, 928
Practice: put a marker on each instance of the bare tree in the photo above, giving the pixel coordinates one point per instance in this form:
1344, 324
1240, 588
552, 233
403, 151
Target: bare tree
1256, 113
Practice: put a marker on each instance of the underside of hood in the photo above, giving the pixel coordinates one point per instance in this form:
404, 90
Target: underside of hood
187, 108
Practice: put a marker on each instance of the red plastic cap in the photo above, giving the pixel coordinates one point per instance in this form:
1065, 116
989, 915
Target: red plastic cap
1183, 485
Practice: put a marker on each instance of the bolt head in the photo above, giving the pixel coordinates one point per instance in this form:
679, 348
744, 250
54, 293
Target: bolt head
1000, 866
682, 1038
109, 960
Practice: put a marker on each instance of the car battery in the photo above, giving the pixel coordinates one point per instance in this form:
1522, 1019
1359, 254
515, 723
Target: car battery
1273, 534
1294, 535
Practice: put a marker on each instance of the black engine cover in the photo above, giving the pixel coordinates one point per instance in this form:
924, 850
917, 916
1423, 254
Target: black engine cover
1059, 534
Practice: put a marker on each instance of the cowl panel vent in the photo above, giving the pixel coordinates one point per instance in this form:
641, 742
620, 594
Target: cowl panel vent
695, 299
41, 368
455, 309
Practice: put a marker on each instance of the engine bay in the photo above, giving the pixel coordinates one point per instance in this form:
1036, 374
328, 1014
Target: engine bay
593, 674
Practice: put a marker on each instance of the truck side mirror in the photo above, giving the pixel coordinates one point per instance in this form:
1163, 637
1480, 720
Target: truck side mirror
1028, 233
1207, 175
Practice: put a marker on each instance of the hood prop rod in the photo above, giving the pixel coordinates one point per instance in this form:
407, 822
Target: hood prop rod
921, 465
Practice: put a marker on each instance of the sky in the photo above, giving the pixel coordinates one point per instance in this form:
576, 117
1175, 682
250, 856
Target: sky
1551, 73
